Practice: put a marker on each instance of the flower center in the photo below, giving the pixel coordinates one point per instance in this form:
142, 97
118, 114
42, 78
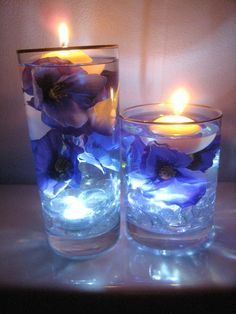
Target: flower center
61, 167
166, 172
56, 93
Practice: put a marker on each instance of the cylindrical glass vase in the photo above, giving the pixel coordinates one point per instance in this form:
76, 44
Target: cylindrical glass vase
71, 100
170, 176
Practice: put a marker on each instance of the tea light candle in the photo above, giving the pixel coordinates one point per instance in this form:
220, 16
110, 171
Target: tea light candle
178, 131
175, 125
75, 56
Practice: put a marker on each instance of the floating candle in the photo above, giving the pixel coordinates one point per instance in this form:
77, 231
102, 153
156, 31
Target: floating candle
176, 124
75, 56
179, 131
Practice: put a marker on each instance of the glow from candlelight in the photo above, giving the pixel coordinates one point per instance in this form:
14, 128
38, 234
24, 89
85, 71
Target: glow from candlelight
179, 100
63, 32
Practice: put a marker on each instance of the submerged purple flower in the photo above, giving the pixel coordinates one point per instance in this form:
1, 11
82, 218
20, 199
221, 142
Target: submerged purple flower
63, 92
100, 151
203, 159
163, 174
49, 62
56, 163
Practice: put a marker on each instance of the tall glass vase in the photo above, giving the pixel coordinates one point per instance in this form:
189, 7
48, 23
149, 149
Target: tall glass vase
71, 100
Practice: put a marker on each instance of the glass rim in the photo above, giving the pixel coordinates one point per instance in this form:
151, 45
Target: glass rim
112, 46
139, 121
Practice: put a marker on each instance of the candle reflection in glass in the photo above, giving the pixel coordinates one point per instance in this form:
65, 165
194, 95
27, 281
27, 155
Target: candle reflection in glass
170, 163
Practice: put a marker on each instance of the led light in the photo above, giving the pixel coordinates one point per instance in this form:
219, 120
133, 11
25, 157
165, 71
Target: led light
75, 209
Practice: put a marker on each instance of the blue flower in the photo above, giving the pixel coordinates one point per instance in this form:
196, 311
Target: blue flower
27, 72
56, 163
203, 159
163, 175
64, 93
135, 152
100, 151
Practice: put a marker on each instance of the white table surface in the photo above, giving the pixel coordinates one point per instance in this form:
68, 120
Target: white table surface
26, 261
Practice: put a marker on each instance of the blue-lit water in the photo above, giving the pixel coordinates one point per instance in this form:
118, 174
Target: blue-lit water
89, 214
146, 214
97, 207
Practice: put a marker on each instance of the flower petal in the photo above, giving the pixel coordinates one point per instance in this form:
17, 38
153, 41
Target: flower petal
155, 156
135, 153
69, 114
84, 89
90, 159
110, 163
98, 149
184, 190
47, 151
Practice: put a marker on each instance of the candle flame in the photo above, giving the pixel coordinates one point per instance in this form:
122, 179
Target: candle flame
111, 94
63, 34
179, 100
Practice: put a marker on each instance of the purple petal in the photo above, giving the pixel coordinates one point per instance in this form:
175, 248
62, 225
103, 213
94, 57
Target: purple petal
135, 153
27, 75
86, 90
69, 114
46, 152
90, 84
183, 191
156, 156
90, 159
98, 152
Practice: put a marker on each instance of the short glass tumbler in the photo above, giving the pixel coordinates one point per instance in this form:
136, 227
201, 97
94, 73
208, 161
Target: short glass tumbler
71, 100
170, 176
